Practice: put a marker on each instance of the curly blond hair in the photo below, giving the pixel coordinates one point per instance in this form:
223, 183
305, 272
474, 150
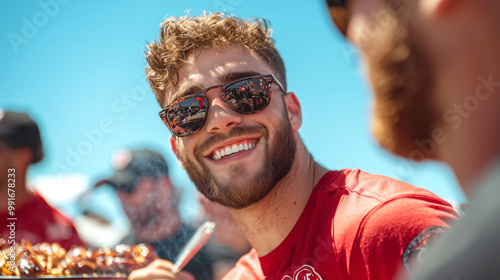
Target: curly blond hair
180, 36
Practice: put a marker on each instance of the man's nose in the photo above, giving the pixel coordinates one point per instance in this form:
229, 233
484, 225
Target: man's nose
221, 117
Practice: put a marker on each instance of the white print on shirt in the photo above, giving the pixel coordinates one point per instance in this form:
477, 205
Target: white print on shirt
304, 272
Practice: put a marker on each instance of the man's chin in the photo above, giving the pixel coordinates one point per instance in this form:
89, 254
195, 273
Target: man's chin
237, 199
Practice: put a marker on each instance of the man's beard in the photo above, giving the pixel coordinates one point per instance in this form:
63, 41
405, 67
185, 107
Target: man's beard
147, 215
402, 85
241, 191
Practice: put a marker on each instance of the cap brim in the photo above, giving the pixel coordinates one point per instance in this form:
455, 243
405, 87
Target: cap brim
119, 180
104, 182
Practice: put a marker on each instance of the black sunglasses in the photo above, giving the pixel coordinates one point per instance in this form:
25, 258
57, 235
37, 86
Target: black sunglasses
340, 15
187, 115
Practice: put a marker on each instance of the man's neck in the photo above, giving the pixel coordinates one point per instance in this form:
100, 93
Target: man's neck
473, 145
472, 141
472, 164
267, 223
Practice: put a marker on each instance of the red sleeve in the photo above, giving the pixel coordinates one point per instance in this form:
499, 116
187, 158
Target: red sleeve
248, 267
393, 235
72, 238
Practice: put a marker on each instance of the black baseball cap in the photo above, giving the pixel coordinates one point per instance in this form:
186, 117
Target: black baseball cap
18, 130
132, 165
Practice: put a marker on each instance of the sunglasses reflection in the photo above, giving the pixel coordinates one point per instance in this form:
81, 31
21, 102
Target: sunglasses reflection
248, 96
188, 115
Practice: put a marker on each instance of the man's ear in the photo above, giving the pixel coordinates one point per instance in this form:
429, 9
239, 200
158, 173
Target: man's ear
173, 145
294, 111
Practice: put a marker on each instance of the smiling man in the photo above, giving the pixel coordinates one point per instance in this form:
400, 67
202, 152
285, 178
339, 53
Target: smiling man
234, 129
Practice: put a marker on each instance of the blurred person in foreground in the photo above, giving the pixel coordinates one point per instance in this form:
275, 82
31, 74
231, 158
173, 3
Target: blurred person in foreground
228, 243
150, 201
434, 66
222, 85
36, 221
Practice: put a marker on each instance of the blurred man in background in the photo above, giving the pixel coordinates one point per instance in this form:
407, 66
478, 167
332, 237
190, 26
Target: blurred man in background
434, 66
35, 220
150, 201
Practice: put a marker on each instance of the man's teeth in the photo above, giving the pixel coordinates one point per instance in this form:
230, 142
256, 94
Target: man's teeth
231, 150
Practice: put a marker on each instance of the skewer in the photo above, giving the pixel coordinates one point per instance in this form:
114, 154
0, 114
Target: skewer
194, 245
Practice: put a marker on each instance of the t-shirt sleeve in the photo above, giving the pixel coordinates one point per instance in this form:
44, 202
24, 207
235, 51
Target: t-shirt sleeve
68, 236
393, 237
247, 267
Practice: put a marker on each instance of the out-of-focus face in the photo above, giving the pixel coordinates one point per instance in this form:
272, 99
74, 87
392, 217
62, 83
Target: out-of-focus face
146, 205
398, 72
261, 145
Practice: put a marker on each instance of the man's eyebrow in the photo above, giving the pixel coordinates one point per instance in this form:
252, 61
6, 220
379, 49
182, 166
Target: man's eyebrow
224, 79
233, 76
192, 90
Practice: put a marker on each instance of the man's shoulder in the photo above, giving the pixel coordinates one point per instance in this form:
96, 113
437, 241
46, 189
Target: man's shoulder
247, 267
376, 218
362, 184
370, 206
365, 197
43, 209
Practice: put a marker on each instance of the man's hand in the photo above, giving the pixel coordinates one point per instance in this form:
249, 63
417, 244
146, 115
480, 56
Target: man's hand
159, 269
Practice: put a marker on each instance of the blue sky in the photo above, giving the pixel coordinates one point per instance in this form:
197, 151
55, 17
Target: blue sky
77, 66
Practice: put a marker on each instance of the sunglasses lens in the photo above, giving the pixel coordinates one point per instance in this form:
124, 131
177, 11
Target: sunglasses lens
186, 116
249, 95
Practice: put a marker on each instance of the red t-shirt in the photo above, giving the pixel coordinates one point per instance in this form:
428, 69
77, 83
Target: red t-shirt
38, 222
355, 226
